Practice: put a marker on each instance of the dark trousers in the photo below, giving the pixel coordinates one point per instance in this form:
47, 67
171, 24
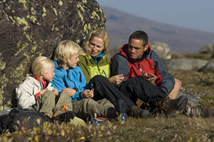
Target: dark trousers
144, 90
104, 89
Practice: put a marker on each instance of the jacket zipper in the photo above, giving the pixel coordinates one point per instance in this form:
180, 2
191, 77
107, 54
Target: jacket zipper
99, 69
75, 87
140, 67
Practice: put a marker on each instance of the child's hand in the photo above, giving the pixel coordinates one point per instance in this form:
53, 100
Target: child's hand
70, 91
42, 91
88, 93
55, 91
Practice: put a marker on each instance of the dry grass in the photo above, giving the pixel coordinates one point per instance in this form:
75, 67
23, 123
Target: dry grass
177, 129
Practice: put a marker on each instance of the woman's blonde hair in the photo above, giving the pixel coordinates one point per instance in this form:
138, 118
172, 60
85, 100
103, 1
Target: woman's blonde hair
100, 34
41, 63
65, 50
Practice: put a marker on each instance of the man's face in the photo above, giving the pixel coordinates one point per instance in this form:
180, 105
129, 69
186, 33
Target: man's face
136, 48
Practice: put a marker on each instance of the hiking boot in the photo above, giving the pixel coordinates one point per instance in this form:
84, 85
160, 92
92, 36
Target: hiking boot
172, 107
112, 113
65, 117
137, 112
62, 110
197, 112
49, 117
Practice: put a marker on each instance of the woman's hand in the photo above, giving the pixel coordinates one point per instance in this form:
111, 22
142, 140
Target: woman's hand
69, 91
88, 93
55, 91
117, 79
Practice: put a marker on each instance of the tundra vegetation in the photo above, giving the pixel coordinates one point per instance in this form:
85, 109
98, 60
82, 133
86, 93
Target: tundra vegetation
181, 128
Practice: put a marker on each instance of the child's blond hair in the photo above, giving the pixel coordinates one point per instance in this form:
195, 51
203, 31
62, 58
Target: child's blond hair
40, 63
65, 50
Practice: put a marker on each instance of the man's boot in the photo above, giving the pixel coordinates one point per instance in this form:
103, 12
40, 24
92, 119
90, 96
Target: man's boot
203, 112
171, 107
138, 112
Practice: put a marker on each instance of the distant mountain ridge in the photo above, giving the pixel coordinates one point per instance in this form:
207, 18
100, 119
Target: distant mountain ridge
120, 25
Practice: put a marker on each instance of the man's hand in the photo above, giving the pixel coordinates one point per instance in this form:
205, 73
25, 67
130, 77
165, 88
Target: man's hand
69, 91
150, 78
55, 91
88, 93
117, 79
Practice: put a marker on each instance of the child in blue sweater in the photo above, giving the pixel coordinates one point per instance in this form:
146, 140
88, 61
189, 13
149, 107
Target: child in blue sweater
70, 79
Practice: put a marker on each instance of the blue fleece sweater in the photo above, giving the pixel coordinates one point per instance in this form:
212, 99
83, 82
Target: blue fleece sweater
73, 78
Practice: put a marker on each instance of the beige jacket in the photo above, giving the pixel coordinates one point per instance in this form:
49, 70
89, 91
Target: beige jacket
25, 92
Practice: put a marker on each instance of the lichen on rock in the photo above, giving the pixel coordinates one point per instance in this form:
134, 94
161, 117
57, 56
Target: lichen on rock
33, 28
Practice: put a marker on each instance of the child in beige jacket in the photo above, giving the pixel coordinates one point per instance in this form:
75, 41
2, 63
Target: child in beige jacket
36, 92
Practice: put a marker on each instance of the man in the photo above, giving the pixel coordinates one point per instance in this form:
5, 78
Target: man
141, 68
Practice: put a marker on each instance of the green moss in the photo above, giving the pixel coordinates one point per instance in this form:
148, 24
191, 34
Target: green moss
44, 12
94, 14
24, 46
84, 1
33, 49
77, 41
55, 11
29, 37
60, 3
56, 29
2, 65
87, 27
19, 43
80, 15
33, 12
8, 7
53, 27
11, 18
79, 5
22, 21
4, 81
32, 18
24, 2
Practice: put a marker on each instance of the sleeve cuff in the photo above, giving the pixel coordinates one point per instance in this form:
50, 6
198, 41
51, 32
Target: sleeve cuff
37, 95
80, 95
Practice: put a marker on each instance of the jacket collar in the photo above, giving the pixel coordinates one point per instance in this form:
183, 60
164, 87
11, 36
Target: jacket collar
44, 83
96, 59
124, 52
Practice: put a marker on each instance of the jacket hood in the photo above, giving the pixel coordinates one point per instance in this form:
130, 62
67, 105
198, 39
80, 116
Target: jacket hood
32, 80
124, 52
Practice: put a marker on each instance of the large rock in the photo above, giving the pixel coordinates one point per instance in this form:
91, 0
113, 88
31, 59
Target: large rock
162, 49
185, 64
193, 100
209, 66
32, 28
207, 48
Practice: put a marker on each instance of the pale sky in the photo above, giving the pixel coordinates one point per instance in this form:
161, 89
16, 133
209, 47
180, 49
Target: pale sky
193, 14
